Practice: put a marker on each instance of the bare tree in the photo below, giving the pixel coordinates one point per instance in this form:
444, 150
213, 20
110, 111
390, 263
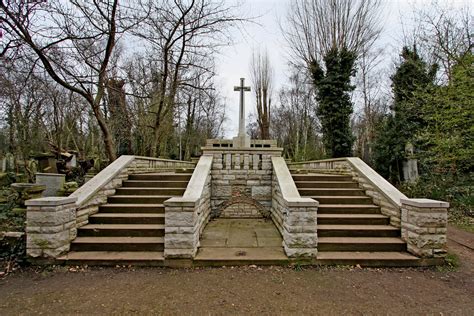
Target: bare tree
261, 75
315, 27
445, 35
182, 35
72, 41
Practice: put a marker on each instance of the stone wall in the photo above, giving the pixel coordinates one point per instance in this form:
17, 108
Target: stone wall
294, 216
424, 227
241, 210
243, 173
186, 217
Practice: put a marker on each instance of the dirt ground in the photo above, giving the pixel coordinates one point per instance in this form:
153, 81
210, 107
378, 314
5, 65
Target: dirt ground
245, 290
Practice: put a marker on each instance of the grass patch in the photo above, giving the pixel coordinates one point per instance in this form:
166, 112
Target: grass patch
451, 263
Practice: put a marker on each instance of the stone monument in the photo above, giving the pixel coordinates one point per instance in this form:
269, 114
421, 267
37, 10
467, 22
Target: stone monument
410, 166
242, 140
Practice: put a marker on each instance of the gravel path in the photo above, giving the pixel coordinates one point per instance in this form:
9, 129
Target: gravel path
243, 290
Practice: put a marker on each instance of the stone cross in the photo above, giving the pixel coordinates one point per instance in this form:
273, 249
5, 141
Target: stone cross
242, 89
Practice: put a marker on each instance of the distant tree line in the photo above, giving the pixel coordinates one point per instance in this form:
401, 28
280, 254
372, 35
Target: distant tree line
111, 77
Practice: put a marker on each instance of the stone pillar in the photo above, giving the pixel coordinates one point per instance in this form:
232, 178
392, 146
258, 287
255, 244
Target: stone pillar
181, 231
300, 232
424, 226
51, 226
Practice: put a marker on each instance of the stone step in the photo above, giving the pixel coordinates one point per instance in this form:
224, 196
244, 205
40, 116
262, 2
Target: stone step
348, 209
358, 231
342, 199
150, 191
331, 192
161, 176
154, 184
121, 230
131, 208
353, 219
321, 177
371, 259
361, 244
127, 218
139, 199
326, 184
146, 258
118, 244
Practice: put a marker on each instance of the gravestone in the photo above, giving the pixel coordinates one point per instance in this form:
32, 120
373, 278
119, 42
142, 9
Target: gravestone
54, 183
9, 162
410, 166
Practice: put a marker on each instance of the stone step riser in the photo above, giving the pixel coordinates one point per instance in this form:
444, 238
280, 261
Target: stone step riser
339, 200
321, 178
336, 192
126, 232
328, 184
110, 208
117, 247
154, 184
343, 210
127, 220
353, 221
158, 177
372, 247
150, 191
358, 233
136, 199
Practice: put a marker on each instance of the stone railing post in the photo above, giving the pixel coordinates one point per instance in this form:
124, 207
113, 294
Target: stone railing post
424, 227
186, 216
50, 226
295, 216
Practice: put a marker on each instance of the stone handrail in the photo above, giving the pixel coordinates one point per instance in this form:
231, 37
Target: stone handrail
87, 191
294, 216
186, 216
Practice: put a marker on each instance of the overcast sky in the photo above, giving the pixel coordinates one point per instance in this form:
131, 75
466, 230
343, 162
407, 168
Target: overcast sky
233, 63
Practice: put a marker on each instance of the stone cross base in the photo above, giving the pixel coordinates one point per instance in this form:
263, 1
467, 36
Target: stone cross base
241, 141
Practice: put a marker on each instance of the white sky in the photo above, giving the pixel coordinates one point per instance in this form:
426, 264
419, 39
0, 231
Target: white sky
233, 63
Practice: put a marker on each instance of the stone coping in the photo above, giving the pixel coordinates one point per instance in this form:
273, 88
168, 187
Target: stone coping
164, 160
316, 161
50, 174
51, 201
251, 150
287, 185
425, 203
196, 184
385, 187
87, 191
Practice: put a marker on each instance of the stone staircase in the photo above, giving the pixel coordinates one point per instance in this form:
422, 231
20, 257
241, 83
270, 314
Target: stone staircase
351, 229
129, 228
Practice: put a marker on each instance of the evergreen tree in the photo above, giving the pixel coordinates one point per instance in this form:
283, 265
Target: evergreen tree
334, 110
410, 83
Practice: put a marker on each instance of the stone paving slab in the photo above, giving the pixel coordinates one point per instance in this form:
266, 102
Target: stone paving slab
241, 240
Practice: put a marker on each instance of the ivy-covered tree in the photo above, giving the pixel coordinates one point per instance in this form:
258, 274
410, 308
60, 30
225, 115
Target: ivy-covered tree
410, 83
334, 102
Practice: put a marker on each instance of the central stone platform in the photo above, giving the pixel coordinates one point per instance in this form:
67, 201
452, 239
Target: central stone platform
231, 241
